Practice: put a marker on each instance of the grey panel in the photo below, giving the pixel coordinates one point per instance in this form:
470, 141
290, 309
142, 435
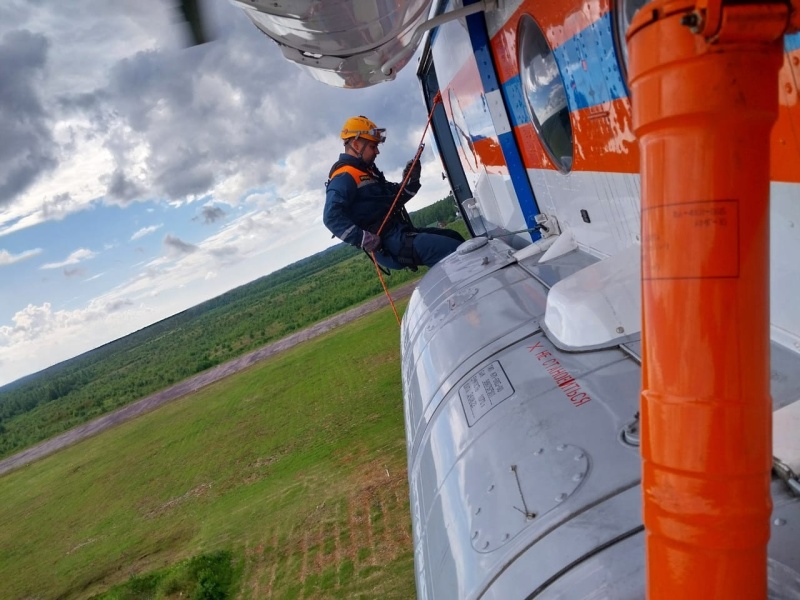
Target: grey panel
593, 537
784, 376
557, 269
520, 483
531, 463
446, 324
784, 543
616, 572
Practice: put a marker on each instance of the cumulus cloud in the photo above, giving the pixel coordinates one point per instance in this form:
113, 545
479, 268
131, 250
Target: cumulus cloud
58, 207
146, 231
28, 148
211, 214
122, 188
109, 111
160, 126
7, 258
33, 322
80, 255
176, 246
29, 323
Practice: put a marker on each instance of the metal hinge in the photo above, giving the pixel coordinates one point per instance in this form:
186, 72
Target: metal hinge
547, 225
785, 472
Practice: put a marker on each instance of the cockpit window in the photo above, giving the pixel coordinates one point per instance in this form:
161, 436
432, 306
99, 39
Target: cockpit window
545, 95
461, 132
623, 15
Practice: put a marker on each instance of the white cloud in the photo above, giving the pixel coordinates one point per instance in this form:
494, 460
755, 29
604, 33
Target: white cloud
146, 231
80, 255
6, 258
127, 117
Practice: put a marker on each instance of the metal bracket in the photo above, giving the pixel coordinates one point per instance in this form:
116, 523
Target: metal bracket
785, 472
547, 225
470, 9
722, 20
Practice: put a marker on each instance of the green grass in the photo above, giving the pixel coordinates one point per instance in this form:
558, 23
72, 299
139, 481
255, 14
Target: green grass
78, 390
295, 468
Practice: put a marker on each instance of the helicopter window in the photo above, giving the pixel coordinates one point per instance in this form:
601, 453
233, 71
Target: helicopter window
545, 95
623, 15
461, 132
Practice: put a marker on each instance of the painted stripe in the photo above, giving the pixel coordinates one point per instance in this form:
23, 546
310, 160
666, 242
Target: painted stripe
791, 42
589, 67
494, 102
479, 37
520, 181
515, 100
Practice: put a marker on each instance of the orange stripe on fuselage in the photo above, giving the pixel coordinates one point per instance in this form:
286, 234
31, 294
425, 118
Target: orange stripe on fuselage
604, 138
531, 150
560, 21
785, 138
604, 141
602, 134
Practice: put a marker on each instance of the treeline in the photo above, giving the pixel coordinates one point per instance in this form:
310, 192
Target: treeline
443, 211
75, 391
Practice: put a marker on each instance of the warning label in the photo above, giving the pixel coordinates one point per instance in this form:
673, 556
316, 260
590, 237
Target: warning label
483, 391
563, 378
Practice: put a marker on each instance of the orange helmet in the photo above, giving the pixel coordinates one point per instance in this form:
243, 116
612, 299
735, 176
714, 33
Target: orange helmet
362, 127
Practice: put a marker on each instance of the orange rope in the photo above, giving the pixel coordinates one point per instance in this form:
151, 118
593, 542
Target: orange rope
386, 289
436, 99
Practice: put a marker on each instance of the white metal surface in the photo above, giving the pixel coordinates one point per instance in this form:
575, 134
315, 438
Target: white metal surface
598, 305
784, 266
786, 435
610, 199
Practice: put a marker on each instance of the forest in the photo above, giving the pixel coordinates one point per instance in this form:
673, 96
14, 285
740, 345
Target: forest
75, 391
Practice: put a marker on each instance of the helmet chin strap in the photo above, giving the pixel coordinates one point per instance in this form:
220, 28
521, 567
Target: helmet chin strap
359, 153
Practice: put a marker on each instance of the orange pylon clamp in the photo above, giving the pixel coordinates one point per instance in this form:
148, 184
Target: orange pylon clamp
703, 107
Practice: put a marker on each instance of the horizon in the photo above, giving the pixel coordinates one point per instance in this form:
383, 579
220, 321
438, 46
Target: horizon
141, 179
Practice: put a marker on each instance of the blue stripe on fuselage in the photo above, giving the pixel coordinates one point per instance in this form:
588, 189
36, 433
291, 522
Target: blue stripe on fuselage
479, 37
589, 67
791, 42
515, 101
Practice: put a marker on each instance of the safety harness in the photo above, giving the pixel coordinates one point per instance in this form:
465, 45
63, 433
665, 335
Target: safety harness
408, 239
407, 255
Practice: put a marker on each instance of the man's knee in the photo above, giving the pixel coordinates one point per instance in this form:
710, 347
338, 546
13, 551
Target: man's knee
430, 248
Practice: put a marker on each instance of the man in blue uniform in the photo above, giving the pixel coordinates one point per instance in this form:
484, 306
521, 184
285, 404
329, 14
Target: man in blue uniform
358, 199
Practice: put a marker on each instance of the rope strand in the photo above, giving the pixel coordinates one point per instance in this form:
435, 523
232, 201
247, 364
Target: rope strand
436, 99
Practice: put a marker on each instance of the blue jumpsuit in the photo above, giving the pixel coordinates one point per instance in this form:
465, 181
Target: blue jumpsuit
359, 197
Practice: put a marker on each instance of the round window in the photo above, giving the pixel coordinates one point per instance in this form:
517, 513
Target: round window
545, 95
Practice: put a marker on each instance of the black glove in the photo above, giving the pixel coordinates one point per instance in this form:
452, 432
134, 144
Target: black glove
416, 171
370, 242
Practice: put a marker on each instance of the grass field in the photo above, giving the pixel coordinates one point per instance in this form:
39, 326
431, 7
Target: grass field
292, 471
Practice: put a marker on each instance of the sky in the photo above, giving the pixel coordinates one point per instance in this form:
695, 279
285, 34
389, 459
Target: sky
139, 178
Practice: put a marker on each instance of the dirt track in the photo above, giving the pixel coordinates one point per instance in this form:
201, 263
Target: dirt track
192, 384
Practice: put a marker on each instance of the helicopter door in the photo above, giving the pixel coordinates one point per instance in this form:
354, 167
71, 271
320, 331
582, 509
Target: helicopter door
446, 145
